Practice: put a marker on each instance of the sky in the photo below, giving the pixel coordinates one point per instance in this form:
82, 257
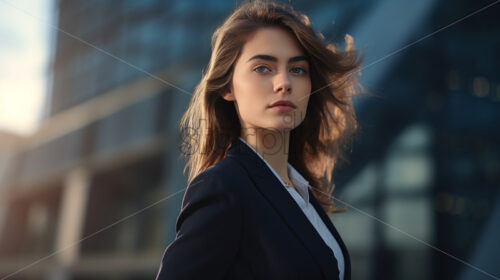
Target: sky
25, 35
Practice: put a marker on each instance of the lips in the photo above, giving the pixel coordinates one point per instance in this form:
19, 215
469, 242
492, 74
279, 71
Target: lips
283, 103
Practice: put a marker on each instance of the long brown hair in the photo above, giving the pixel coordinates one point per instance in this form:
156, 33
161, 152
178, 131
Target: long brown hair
210, 123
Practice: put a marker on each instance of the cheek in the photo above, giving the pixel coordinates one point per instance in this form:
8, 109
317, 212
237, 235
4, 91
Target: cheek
249, 94
250, 91
305, 92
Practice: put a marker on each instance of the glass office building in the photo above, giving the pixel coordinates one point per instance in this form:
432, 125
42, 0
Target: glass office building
95, 193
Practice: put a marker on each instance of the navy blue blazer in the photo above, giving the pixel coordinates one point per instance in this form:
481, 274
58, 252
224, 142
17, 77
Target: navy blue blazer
238, 222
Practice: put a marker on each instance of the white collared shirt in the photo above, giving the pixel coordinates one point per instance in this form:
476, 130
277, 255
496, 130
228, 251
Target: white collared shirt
302, 199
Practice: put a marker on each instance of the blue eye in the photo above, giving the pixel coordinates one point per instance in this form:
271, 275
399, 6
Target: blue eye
298, 70
261, 69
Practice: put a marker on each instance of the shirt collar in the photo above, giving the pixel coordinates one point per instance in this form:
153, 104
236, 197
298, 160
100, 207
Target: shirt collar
297, 179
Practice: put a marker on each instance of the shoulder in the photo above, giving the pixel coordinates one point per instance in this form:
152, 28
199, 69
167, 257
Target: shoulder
218, 191
225, 178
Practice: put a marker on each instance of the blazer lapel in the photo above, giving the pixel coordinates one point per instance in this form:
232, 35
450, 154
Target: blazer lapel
271, 188
333, 230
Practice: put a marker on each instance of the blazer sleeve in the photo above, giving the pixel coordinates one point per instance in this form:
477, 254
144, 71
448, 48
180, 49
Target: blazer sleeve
208, 231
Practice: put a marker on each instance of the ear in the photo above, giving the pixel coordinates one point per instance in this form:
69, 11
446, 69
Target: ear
228, 96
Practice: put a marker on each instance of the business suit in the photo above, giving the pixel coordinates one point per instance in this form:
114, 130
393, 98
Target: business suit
238, 222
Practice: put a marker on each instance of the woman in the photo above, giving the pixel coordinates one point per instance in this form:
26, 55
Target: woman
263, 130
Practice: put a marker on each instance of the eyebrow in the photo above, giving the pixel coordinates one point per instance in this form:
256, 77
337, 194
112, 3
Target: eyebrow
274, 59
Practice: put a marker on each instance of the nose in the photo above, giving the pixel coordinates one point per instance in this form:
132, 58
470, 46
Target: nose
282, 83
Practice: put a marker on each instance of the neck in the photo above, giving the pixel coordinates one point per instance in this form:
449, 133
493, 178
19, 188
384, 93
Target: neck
272, 145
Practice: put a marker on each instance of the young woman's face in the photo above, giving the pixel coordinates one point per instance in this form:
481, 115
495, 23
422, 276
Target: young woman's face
271, 67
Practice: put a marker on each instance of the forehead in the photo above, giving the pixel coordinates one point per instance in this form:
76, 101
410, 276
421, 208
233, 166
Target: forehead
273, 41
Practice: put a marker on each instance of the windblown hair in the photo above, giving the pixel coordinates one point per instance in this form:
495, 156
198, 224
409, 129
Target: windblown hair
210, 123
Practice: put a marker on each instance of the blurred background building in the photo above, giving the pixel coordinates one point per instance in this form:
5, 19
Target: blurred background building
95, 192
